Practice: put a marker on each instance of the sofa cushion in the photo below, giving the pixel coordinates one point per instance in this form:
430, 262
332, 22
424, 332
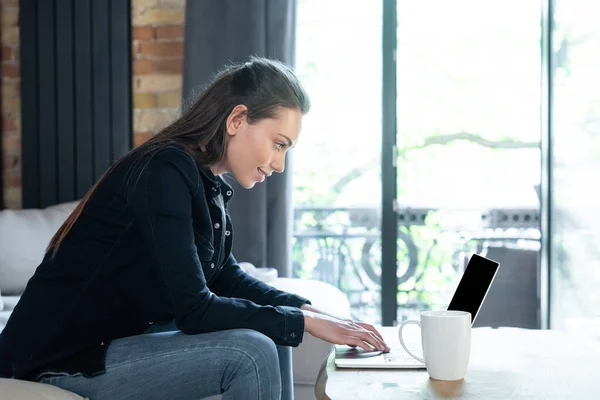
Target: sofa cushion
13, 389
24, 235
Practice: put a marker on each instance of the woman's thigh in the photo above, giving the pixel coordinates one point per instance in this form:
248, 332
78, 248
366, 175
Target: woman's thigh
284, 353
240, 363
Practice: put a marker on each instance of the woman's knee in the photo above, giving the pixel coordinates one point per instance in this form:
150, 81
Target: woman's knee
258, 362
259, 348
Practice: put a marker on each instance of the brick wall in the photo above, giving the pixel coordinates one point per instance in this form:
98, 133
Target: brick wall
157, 63
11, 104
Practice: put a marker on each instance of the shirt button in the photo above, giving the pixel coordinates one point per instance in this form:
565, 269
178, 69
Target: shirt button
227, 233
214, 189
229, 193
292, 335
150, 323
212, 265
101, 343
217, 225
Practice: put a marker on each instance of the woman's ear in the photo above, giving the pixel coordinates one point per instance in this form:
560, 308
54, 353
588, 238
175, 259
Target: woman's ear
236, 119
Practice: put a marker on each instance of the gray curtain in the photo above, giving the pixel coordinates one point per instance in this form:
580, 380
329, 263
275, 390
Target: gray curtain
218, 32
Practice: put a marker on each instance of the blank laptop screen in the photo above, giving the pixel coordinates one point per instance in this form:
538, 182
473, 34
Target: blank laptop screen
474, 285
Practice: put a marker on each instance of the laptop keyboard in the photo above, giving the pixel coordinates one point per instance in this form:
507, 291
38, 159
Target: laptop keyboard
400, 357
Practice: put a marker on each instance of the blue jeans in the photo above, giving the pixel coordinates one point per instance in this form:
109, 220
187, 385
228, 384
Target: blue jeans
164, 363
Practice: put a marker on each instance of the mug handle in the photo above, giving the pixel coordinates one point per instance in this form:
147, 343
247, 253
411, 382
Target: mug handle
412, 321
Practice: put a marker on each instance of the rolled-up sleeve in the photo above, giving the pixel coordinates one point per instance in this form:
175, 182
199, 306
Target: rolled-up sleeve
162, 203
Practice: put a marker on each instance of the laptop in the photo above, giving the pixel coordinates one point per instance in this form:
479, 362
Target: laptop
469, 296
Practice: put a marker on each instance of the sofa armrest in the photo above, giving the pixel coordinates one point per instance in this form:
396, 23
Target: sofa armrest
310, 354
323, 296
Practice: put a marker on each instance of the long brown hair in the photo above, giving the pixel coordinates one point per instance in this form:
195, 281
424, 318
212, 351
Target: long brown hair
262, 85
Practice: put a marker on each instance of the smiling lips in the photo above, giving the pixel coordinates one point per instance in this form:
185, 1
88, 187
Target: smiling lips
262, 175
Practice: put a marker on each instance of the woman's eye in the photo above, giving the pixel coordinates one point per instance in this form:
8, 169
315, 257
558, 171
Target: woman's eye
280, 146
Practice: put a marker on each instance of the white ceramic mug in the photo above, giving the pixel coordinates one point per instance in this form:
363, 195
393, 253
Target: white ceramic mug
446, 341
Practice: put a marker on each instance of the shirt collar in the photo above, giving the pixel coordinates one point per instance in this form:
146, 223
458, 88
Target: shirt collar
216, 184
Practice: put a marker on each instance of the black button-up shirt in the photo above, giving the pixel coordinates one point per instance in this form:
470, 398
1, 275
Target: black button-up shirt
153, 248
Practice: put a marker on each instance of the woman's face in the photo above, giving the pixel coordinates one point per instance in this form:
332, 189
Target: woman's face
254, 151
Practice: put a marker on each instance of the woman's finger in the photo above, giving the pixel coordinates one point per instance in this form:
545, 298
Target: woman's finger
364, 336
368, 337
371, 338
357, 342
372, 329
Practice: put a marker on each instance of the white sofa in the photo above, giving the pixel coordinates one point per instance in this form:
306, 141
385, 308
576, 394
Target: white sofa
24, 235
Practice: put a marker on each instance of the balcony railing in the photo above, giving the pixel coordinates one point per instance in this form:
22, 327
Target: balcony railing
342, 246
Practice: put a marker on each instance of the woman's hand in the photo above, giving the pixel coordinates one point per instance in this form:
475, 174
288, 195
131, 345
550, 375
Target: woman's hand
374, 331
343, 331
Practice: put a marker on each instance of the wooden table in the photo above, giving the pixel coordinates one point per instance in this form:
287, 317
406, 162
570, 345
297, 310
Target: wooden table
505, 363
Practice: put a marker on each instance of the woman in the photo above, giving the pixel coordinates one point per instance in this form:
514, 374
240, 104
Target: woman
138, 294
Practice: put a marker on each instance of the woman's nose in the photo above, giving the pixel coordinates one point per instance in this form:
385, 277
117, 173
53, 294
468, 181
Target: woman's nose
278, 165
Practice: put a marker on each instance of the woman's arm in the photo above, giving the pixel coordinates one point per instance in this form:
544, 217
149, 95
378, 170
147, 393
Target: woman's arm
234, 282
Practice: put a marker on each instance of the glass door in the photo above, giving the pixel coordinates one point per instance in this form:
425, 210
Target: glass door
468, 153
